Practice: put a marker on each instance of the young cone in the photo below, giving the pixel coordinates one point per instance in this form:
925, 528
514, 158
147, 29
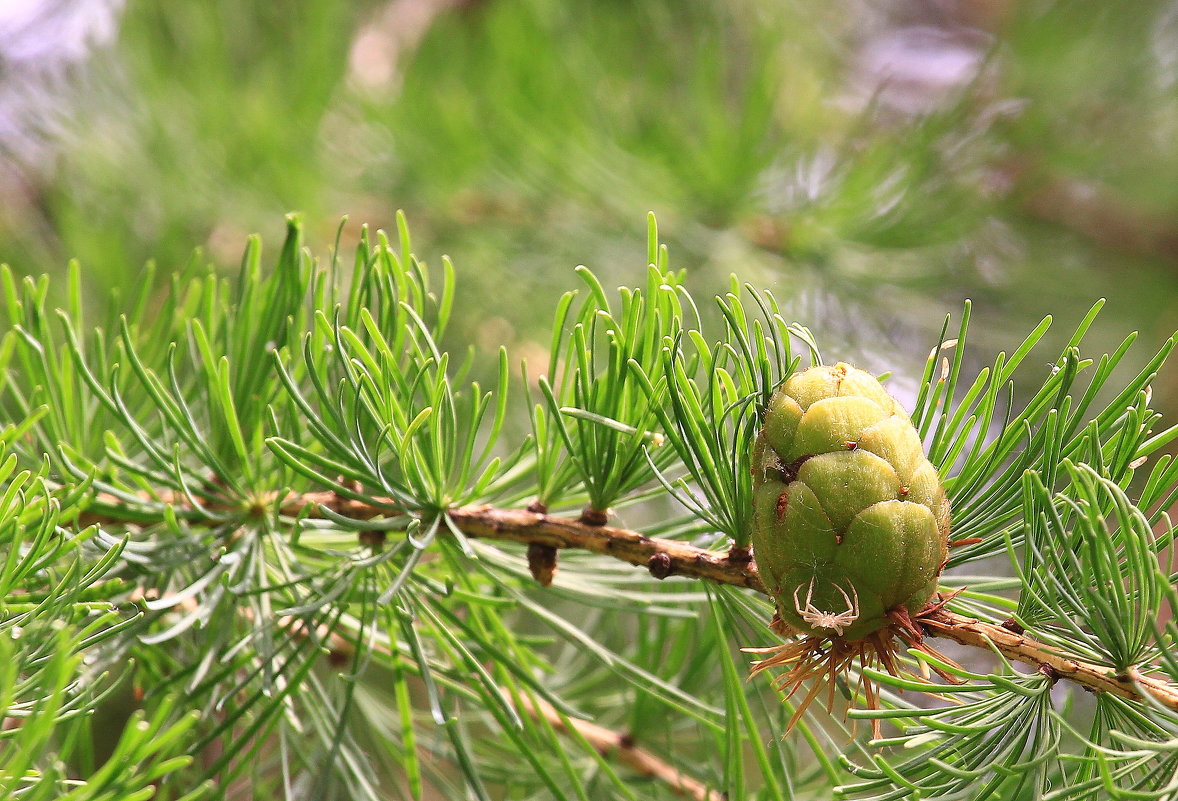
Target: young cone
851, 527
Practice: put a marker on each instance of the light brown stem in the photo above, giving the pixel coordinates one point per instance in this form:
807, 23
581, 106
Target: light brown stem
609, 742
1095, 678
672, 557
606, 742
687, 560
630, 546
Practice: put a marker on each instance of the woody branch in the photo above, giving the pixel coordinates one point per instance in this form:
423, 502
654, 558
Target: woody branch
663, 558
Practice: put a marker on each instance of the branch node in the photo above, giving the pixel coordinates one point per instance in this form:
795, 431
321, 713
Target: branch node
594, 517
1051, 673
1013, 626
740, 555
542, 563
538, 508
660, 565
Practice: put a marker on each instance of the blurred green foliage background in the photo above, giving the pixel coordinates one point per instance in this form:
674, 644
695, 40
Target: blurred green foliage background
874, 163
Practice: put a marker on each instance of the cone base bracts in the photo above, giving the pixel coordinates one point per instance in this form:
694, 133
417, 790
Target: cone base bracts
826, 660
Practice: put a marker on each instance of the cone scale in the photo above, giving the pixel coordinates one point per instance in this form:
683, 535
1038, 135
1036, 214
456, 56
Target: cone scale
851, 523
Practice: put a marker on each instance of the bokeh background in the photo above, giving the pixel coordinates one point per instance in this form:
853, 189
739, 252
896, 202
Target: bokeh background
874, 163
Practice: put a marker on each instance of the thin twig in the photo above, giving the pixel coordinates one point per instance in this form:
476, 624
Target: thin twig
605, 741
608, 741
672, 557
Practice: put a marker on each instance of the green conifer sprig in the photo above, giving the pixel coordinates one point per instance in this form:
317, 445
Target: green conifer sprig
64, 627
279, 516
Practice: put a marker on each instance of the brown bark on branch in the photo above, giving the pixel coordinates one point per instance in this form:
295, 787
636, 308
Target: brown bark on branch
679, 558
629, 546
606, 742
664, 558
1094, 678
609, 742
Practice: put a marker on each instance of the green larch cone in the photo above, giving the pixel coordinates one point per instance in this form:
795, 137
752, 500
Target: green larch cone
851, 523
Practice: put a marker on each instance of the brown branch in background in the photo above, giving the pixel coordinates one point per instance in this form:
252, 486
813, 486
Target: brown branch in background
606, 742
665, 558
1087, 209
1090, 210
609, 742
